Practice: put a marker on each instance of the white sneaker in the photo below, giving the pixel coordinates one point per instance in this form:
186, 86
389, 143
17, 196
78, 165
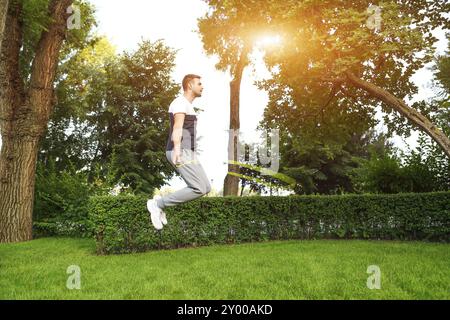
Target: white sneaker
162, 216
154, 213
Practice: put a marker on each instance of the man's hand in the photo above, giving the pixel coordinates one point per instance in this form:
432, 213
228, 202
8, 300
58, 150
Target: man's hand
176, 156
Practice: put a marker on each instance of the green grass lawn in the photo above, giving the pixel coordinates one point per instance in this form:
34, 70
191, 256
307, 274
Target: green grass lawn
320, 269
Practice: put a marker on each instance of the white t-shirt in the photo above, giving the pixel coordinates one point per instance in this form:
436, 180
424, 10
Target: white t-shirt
181, 104
188, 140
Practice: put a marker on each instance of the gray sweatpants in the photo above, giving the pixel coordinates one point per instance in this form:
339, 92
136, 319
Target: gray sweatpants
192, 173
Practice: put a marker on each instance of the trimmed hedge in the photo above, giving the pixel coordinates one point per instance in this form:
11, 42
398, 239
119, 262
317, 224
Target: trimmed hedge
122, 223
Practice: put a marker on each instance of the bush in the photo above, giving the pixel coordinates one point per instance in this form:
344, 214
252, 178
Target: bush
122, 224
67, 228
426, 169
61, 198
379, 174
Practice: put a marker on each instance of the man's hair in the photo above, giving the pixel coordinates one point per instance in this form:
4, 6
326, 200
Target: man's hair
187, 78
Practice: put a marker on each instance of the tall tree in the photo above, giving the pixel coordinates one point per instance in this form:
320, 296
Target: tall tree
111, 114
131, 126
231, 182
367, 50
222, 36
25, 108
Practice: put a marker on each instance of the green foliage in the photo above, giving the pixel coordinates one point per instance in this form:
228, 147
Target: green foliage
136, 117
61, 198
425, 169
379, 174
324, 39
36, 20
122, 223
442, 70
59, 192
319, 150
112, 114
82, 83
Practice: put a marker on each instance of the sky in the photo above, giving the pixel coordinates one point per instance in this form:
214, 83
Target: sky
127, 23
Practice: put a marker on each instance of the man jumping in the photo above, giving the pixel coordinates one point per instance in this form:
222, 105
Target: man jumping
181, 152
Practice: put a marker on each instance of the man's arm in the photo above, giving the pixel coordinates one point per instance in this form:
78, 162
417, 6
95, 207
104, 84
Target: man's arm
177, 130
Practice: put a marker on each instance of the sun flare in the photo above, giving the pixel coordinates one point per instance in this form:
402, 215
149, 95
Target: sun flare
268, 40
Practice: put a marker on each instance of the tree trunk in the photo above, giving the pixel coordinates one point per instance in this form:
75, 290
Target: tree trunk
415, 117
24, 114
18, 158
231, 182
3, 10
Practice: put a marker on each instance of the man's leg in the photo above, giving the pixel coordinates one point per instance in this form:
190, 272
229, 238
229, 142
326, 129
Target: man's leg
193, 174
